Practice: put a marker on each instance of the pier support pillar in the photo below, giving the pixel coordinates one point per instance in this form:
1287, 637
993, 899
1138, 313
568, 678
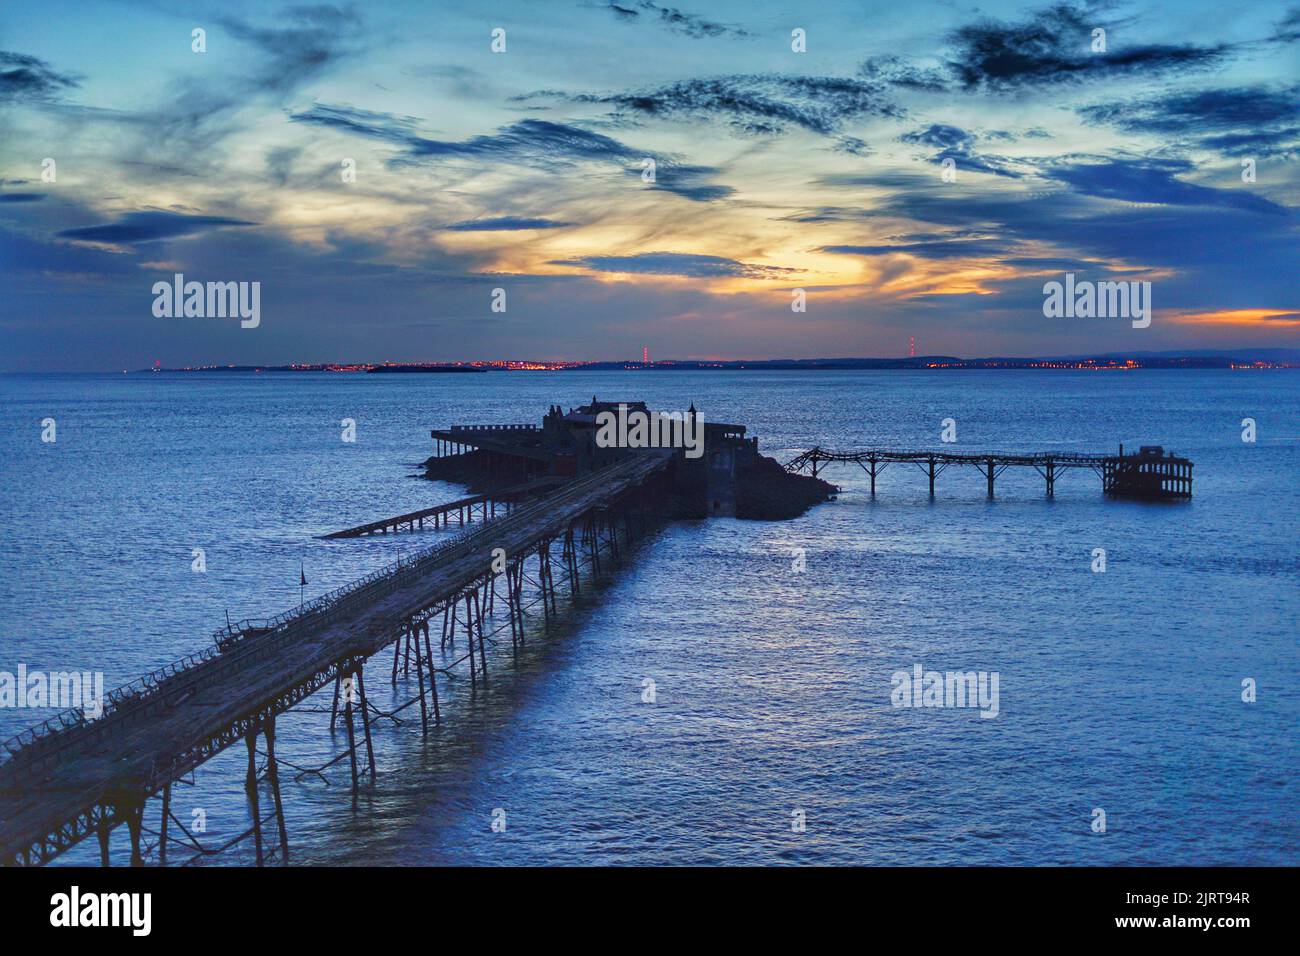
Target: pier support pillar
419, 673
134, 811
273, 776
433, 673
103, 831
482, 640
360, 679
250, 786
162, 825
334, 706
990, 476
352, 738
469, 637
931, 463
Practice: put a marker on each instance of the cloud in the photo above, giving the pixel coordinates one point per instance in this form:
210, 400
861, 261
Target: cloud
504, 224
1053, 45
1153, 181
528, 140
199, 117
896, 71
317, 37
31, 78
958, 145
675, 264
937, 249
689, 182
671, 18
150, 226
533, 142
389, 127
1288, 28
757, 104
21, 197
1256, 119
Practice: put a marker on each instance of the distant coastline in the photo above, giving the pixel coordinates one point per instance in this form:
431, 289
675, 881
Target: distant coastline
1273, 358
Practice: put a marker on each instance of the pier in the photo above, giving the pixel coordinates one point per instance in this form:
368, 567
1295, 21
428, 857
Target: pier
72, 778
463, 509
1151, 474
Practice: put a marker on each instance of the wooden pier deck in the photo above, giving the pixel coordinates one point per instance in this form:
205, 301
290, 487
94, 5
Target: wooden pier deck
69, 778
1149, 474
462, 509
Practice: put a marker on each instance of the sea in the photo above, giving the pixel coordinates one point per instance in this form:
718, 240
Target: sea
1147, 713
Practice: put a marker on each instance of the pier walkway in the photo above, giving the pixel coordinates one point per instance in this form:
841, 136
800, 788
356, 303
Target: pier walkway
1148, 474
462, 509
72, 777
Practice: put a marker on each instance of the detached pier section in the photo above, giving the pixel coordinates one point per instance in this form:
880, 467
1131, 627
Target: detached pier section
1150, 475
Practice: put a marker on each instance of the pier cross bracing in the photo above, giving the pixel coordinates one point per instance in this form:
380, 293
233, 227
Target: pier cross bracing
1150, 474
71, 778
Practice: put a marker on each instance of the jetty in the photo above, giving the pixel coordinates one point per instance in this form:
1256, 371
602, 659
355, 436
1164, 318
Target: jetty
1151, 474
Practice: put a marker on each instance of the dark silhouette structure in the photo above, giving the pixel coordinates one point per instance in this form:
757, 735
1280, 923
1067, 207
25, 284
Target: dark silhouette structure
1149, 475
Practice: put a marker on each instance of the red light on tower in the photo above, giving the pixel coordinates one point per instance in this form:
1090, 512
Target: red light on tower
911, 346
645, 355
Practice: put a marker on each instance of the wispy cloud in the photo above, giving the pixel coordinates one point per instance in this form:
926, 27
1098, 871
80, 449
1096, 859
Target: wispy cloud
1053, 46
959, 146
1256, 119
756, 104
671, 18
505, 224
675, 264
29, 77
149, 226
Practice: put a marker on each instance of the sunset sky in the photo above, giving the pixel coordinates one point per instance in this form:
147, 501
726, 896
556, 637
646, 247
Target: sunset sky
523, 170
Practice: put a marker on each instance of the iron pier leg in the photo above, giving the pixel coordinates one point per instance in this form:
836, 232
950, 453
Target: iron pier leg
162, 827
469, 635
571, 559
510, 607
990, 473
419, 673
352, 741
517, 590
482, 656
273, 775
250, 785
365, 714
931, 477
397, 652
334, 707
433, 674
134, 820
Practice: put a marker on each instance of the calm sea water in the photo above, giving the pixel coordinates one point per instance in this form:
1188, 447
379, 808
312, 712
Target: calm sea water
1119, 691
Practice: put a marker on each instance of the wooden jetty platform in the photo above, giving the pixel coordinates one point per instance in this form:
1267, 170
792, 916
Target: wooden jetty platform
462, 509
1150, 474
71, 778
